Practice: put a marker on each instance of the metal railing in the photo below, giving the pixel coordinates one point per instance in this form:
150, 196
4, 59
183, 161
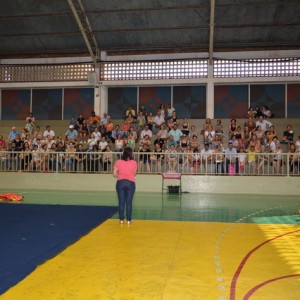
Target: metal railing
265, 164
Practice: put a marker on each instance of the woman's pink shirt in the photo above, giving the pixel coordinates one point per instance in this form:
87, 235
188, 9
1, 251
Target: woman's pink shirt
126, 169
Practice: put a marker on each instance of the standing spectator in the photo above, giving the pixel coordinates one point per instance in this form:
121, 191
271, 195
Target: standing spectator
125, 170
30, 117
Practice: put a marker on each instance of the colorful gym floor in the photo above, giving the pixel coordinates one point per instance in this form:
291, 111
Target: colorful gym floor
188, 246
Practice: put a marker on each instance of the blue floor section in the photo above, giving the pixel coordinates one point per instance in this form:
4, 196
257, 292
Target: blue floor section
31, 234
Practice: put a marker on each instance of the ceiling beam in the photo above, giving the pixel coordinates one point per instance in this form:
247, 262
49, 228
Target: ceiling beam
85, 29
211, 31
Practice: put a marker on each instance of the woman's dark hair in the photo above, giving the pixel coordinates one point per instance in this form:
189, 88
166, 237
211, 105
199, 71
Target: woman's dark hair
127, 154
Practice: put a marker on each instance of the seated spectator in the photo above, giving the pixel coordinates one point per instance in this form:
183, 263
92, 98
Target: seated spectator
71, 133
173, 120
266, 112
48, 131
49, 141
187, 158
251, 159
249, 128
125, 128
93, 121
193, 132
183, 142
91, 142
265, 124
107, 159
143, 110
258, 112
12, 134
195, 144
97, 134
157, 158
25, 156
251, 113
104, 119
270, 134
80, 120
131, 141
219, 157
206, 156
163, 133
239, 135
83, 131
109, 127
129, 118
150, 120
80, 159
260, 134
273, 144
288, 134
130, 110
294, 159
38, 133
35, 162
277, 158
145, 141
185, 127
141, 120
219, 129
2, 142
170, 142
209, 135
146, 131
232, 128
196, 161
206, 125
158, 120
115, 133
94, 160
133, 132
103, 143
176, 133
19, 143
170, 111
144, 158
172, 158
297, 144
73, 122
242, 160
119, 143
216, 142
231, 158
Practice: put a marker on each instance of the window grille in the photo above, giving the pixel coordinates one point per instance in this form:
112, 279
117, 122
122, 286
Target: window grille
256, 68
42, 73
147, 70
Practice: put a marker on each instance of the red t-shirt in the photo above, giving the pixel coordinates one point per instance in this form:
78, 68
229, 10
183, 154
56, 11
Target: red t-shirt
126, 169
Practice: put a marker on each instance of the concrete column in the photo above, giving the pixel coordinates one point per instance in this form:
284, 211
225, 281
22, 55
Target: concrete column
210, 93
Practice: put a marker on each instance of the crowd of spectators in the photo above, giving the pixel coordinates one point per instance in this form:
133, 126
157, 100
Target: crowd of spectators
157, 139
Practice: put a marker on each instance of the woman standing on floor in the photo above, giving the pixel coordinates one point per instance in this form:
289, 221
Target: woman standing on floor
125, 170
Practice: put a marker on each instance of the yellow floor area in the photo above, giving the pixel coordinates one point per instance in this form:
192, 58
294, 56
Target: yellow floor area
171, 260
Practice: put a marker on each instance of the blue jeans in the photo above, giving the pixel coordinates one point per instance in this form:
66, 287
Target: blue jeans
125, 190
